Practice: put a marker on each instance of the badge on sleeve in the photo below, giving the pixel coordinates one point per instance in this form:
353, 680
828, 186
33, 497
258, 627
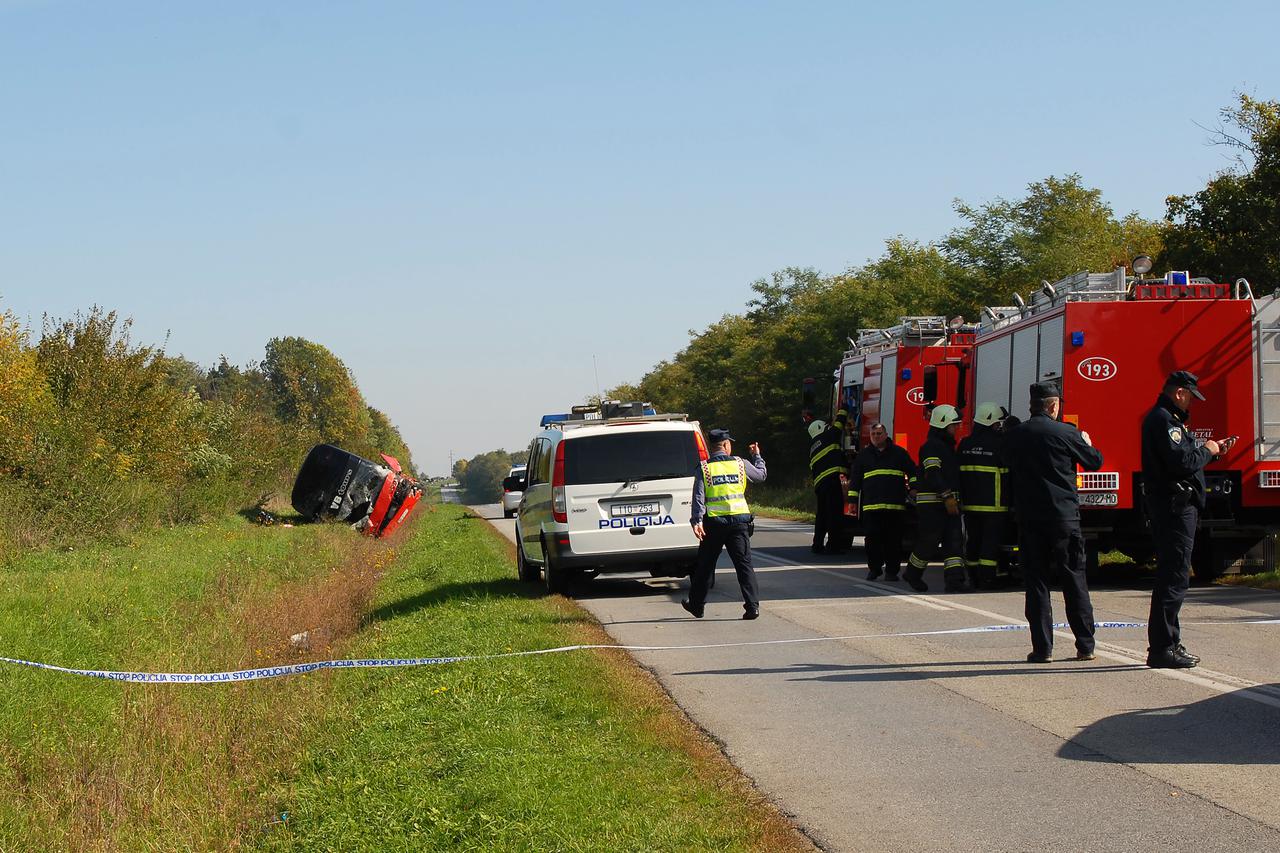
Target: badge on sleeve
1175, 435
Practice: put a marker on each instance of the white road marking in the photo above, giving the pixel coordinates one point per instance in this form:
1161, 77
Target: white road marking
1219, 682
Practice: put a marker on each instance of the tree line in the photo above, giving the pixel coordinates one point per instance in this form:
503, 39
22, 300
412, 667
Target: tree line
481, 475
745, 370
99, 435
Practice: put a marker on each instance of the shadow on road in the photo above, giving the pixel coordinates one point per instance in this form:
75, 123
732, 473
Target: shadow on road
1223, 729
908, 671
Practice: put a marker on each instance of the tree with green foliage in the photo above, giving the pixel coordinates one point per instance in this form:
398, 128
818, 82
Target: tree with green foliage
482, 475
1231, 228
313, 387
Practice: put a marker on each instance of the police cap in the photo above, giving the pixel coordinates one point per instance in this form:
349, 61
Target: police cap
719, 435
1045, 390
1185, 379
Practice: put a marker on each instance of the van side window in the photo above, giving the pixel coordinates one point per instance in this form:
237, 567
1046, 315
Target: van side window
531, 469
544, 461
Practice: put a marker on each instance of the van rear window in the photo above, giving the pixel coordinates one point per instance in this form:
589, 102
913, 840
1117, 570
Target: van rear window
629, 456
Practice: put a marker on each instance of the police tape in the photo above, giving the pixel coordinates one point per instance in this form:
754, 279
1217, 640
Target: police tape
264, 672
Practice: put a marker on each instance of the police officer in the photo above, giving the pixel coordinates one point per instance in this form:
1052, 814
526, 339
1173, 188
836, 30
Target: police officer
1173, 480
938, 505
984, 494
826, 464
1042, 454
878, 481
722, 519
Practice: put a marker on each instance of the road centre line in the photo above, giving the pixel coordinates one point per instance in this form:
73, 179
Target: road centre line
1219, 682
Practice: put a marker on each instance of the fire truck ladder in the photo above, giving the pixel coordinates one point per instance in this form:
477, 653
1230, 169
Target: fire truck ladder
922, 331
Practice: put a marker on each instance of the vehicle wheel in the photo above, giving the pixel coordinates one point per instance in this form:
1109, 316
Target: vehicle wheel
557, 578
528, 572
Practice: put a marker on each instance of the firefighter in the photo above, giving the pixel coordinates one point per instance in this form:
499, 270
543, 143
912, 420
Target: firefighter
1173, 480
1042, 454
938, 505
984, 494
722, 520
878, 481
826, 464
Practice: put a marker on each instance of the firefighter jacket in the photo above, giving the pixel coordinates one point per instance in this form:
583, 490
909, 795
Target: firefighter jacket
826, 459
984, 477
939, 474
1042, 455
1172, 462
879, 477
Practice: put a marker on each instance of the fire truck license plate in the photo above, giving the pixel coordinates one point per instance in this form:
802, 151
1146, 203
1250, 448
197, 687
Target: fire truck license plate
646, 508
1100, 499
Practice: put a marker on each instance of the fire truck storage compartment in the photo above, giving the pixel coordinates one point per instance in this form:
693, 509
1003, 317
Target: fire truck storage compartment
1008, 365
888, 391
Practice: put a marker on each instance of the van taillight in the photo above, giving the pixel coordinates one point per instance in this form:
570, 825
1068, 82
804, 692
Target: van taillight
559, 509
702, 446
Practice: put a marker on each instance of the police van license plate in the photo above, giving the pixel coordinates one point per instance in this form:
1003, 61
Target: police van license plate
646, 508
1099, 499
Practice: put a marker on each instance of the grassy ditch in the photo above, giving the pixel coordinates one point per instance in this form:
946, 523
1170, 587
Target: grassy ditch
95, 765
573, 751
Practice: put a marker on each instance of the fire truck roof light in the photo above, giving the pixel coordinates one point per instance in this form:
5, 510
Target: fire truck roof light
1142, 264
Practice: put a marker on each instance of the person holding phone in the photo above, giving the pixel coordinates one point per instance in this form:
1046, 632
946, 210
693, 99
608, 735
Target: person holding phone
1173, 480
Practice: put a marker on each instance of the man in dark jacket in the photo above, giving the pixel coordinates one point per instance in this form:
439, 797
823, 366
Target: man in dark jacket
1173, 480
938, 505
1042, 454
984, 494
878, 494
826, 464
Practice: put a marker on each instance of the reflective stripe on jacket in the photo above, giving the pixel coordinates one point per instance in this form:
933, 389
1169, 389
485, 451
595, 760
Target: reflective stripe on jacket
825, 455
725, 487
879, 477
984, 477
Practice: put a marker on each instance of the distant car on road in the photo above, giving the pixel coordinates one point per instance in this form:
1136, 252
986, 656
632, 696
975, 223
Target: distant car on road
510, 496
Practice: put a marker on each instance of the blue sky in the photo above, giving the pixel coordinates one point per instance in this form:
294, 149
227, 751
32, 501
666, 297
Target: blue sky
468, 201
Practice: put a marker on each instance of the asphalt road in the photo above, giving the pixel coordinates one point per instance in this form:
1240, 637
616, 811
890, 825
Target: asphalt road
952, 741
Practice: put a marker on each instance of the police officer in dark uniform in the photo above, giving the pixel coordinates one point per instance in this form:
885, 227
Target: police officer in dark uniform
984, 494
1173, 480
1042, 454
939, 526
826, 464
878, 494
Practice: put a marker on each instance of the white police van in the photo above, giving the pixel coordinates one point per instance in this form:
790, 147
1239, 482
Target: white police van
609, 490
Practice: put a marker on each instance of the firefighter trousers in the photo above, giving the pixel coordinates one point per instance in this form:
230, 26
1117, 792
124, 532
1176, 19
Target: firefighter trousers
1174, 532
1049, 551
939, 533
735, 538
985, 535
828, 521
882, 529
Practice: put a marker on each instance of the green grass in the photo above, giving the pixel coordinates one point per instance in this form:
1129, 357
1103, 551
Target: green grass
1262, 580
573, 751
90, 764
795, 503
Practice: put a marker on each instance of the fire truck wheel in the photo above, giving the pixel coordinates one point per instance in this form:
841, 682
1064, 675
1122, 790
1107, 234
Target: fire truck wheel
528, 572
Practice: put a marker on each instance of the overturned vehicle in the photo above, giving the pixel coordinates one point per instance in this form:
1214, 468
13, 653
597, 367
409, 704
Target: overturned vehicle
334, 485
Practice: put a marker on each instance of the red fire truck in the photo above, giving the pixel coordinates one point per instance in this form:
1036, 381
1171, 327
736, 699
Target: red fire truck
1110, 339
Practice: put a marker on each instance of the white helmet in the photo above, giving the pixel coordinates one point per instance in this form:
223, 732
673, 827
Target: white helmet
988, 414
816, 427
944, 416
